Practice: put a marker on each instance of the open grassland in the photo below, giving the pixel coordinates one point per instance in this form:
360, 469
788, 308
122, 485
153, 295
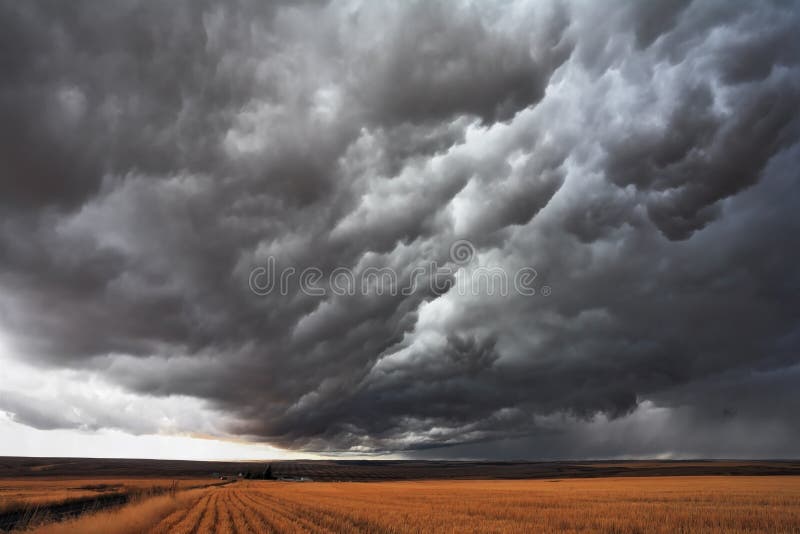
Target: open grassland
41, 492
612, 505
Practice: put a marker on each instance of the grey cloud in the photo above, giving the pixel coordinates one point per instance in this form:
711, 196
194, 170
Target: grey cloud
643, 160
29, 411
438, 59
652, 19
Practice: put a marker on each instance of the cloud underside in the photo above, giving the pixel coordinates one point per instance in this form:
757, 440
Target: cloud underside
641, 157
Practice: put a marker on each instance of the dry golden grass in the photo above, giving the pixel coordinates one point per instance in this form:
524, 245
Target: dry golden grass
139, 516
26, 493
611, 505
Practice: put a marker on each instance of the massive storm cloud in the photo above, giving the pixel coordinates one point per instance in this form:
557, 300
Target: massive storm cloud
640, 158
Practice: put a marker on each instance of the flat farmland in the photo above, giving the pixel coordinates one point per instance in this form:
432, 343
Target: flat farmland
380, 470
714, 504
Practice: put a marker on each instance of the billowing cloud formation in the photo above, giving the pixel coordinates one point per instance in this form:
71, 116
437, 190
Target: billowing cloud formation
641, 157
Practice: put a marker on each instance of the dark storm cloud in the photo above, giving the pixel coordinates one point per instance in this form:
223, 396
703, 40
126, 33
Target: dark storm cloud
434, 60
641, 157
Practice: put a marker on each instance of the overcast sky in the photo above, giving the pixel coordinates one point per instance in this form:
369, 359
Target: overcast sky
638, 161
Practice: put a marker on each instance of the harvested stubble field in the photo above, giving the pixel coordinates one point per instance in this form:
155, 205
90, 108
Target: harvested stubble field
618, 505
42, 492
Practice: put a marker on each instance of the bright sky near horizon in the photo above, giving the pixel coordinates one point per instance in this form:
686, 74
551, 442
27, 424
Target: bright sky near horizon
83, 396
20, 440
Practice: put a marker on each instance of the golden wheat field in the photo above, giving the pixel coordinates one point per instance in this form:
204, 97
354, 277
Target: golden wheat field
611, 505
20, 493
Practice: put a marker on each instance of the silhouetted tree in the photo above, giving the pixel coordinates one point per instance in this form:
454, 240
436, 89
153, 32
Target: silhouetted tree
267, 475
